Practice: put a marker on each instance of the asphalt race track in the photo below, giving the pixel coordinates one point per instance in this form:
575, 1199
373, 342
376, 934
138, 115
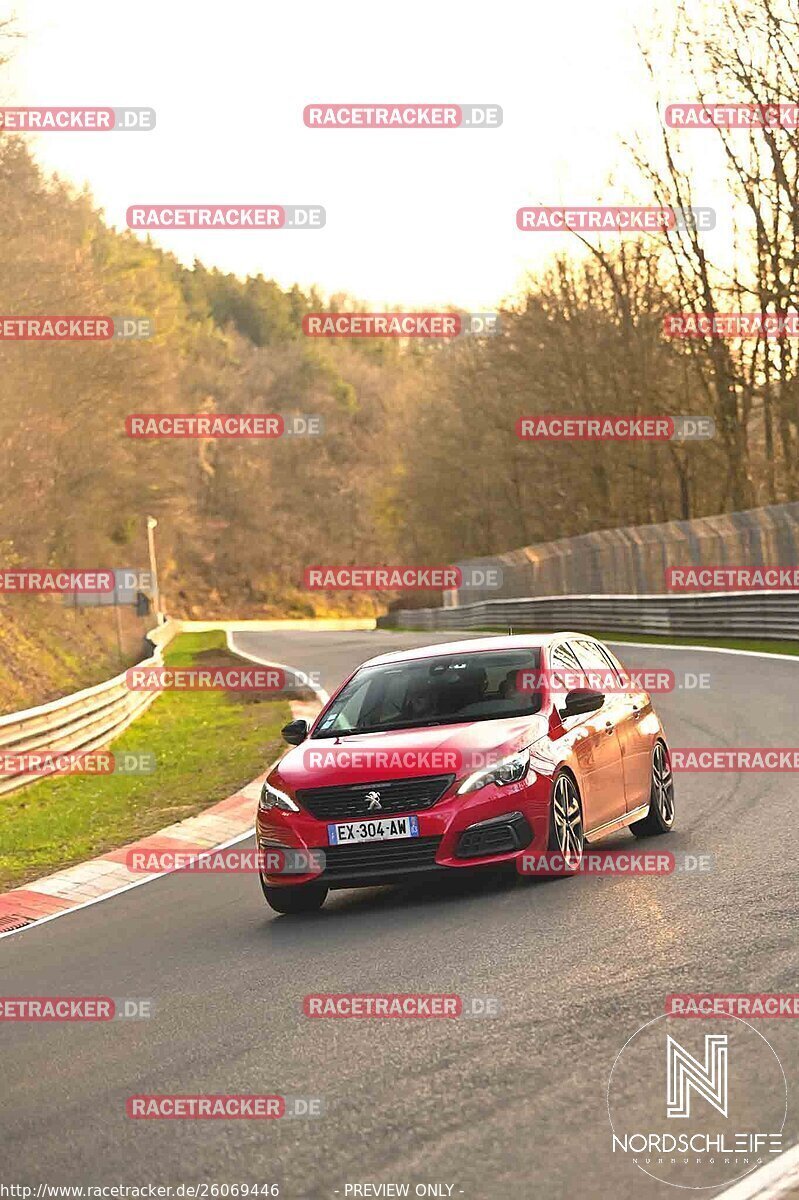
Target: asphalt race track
503, 1107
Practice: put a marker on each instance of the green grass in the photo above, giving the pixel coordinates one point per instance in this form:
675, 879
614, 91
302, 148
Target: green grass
761, 645
206, 745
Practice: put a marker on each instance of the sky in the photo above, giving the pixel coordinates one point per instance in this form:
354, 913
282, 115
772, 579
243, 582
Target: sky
415, 218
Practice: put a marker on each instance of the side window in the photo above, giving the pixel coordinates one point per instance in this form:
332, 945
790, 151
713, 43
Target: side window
604, 676
621, 674
565, 668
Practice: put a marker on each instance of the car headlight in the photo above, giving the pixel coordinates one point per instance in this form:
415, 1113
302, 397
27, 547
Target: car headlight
506, 770
272, 798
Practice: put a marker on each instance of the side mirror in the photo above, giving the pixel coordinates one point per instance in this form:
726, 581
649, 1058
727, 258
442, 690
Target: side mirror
295, 732
582, 700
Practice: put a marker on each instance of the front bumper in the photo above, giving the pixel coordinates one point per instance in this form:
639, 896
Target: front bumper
485, 828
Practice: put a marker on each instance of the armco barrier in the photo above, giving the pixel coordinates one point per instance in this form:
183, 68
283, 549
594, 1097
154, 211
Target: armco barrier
715, 614
85, 721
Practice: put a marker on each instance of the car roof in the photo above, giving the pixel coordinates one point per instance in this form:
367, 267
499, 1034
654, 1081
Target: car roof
525, 641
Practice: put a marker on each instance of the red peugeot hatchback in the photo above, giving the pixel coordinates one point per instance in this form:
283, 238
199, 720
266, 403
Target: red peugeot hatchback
462, 755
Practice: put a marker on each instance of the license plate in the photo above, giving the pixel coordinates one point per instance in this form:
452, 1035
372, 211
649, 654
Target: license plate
384, 829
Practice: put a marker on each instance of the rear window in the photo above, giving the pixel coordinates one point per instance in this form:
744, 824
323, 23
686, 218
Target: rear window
444, 689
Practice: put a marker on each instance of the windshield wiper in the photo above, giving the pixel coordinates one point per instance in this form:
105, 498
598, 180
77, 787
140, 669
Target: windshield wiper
464, 719
378, 728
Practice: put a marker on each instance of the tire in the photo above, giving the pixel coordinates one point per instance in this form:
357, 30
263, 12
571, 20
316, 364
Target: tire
660, 818
566, 828
296, 898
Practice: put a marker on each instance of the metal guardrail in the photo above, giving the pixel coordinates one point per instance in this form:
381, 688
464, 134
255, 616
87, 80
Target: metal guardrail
84, 721
765, 614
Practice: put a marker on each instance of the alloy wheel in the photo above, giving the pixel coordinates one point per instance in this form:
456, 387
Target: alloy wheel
663, 785
568, 821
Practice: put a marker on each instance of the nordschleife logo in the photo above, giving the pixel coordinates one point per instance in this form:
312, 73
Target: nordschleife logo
696, 1104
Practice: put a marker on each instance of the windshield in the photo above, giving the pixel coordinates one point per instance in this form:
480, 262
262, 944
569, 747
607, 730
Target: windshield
439, 690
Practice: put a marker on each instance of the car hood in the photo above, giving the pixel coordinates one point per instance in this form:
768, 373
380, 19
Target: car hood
405, 753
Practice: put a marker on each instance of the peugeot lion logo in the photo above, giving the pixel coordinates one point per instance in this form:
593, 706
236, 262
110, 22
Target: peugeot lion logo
372, 801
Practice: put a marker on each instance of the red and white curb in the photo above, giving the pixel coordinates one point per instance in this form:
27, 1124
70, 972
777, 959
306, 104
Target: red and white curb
215, 828
75, 887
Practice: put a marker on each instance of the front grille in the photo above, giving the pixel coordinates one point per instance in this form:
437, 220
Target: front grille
396, 796
364, 860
